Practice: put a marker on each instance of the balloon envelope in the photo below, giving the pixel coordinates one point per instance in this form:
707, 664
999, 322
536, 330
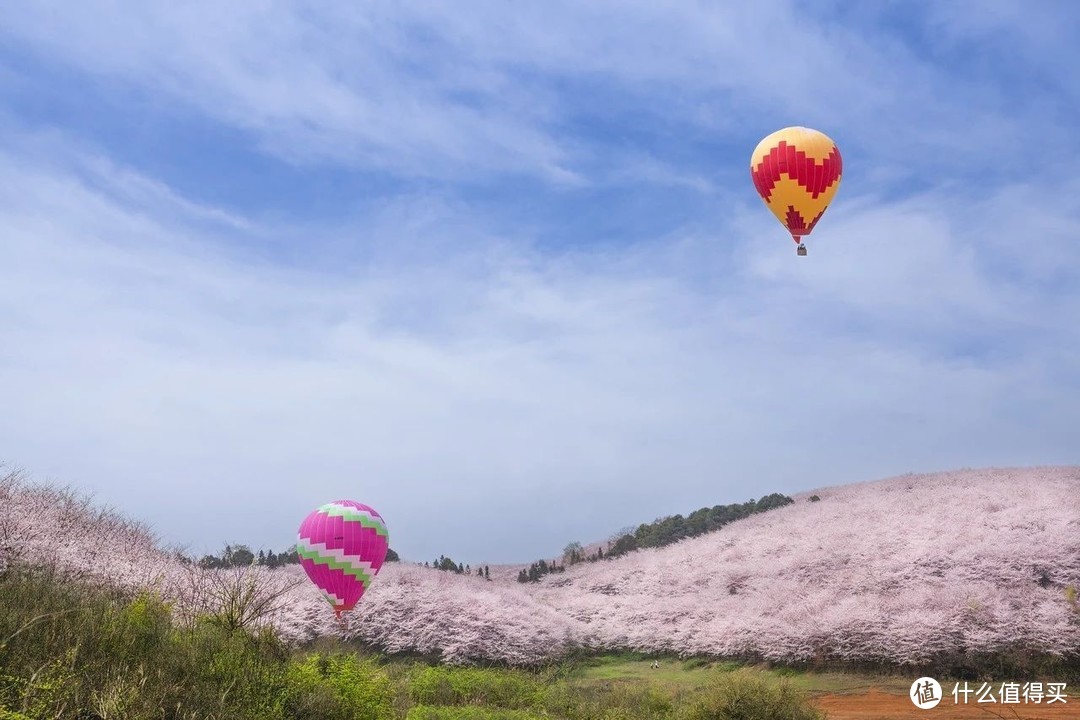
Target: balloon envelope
796, 172
342, 545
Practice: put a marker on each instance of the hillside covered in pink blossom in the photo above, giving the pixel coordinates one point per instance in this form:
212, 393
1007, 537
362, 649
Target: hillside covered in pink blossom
901, 570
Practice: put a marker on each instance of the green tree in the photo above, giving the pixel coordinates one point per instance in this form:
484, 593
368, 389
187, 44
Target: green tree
623, 545
772, 501
237, 556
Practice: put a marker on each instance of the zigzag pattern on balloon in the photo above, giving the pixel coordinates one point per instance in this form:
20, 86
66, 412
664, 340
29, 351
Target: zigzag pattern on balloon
786, 159
336, 559
797, 225
367, 518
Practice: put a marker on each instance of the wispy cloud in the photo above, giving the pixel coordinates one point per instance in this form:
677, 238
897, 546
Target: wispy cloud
434, 90
462, 395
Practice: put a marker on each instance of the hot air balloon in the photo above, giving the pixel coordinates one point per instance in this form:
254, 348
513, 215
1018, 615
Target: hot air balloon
342, 545
796, 172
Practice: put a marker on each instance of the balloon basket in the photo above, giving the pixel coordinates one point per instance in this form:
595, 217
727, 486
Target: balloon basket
801, 250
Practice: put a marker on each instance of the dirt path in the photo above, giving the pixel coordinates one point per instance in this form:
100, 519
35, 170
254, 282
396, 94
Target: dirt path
875, 705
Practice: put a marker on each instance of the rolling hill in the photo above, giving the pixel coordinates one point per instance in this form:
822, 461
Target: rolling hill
908, 569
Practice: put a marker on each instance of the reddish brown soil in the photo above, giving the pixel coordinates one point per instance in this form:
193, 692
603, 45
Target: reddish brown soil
875, 705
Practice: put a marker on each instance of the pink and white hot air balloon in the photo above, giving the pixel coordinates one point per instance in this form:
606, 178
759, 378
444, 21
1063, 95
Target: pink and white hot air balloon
342, 545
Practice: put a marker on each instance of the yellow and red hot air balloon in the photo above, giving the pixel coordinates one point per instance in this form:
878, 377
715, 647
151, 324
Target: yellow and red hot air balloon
796, 172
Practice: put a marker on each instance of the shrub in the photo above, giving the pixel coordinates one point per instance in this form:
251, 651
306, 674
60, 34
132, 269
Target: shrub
69, 646
749, 695
237, 597
608, 701
332, 686
511, 689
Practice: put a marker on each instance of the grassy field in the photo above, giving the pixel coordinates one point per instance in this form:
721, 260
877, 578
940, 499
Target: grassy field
675, 675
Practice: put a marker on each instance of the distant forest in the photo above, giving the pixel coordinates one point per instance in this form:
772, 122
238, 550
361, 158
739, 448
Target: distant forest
658, 533
445, 563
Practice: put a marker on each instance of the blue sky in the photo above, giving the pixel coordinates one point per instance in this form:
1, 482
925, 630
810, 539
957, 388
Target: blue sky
499, 269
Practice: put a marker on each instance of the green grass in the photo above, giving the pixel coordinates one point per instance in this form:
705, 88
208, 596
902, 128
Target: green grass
628, 668
696, 673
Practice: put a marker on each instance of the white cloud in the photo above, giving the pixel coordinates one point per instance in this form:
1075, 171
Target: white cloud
464, 384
